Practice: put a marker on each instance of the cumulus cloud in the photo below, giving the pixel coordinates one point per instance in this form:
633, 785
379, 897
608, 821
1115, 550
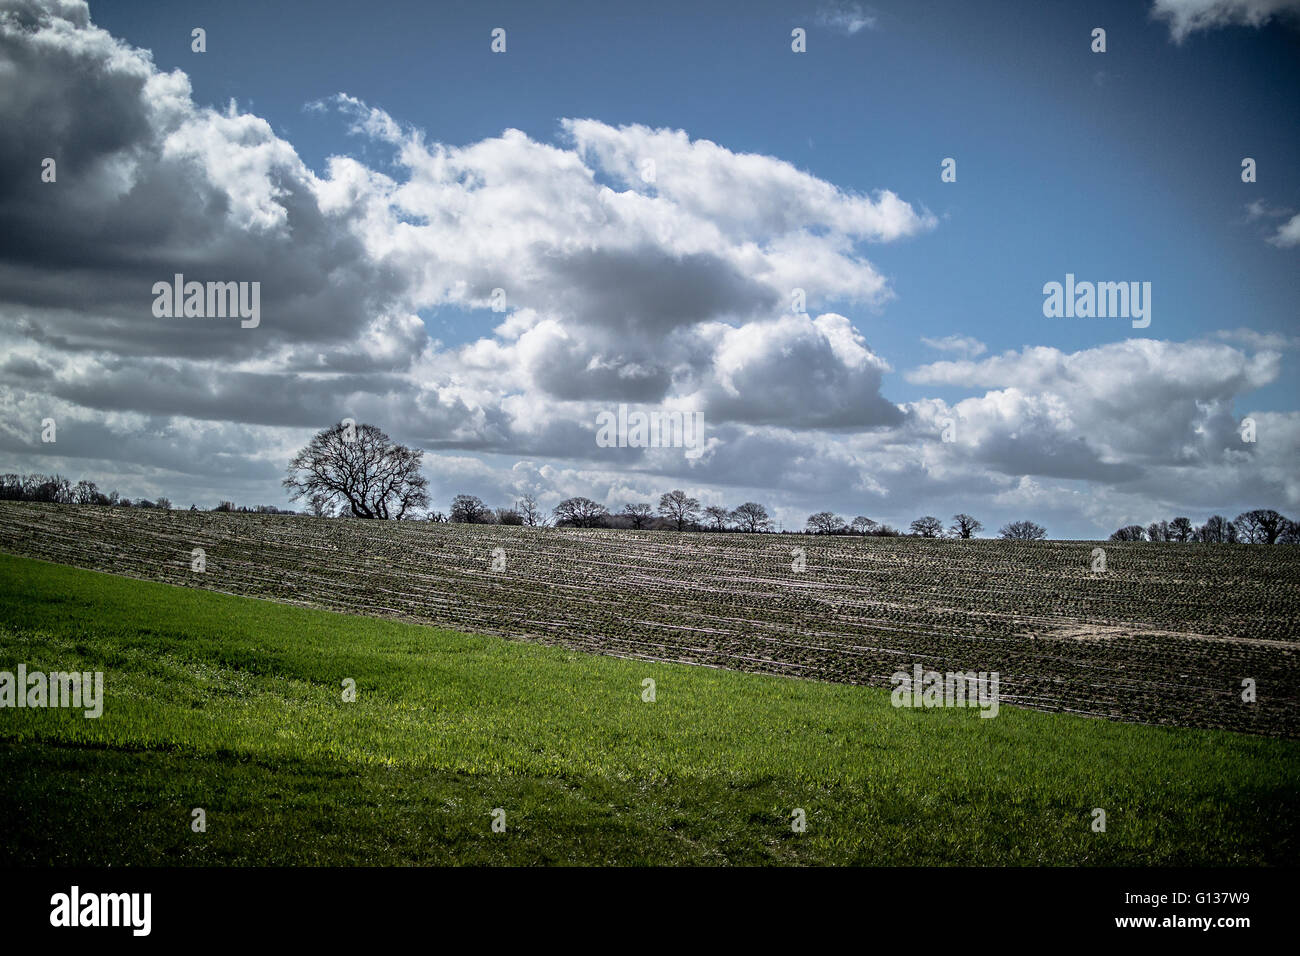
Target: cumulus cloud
1110, 413
794, 371
1187, 16
608, 275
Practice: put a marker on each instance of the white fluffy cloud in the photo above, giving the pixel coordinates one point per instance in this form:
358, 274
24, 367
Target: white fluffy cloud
1135, 401
1153, 420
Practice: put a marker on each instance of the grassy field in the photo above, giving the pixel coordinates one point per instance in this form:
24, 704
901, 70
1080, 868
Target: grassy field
235, 705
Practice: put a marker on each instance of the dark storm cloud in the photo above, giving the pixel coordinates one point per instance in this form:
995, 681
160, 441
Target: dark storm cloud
648, 291
148, 185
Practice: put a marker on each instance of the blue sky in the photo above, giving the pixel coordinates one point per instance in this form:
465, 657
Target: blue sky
1116, 166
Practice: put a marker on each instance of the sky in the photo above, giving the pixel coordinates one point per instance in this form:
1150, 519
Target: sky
647, 186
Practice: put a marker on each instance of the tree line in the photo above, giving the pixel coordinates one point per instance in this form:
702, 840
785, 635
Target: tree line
1258, 526
57, 490
358, 471
678, 511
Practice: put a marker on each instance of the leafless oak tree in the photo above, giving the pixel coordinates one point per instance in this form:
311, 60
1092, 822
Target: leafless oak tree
1023, 531
752, 517
717, 516
469, 509
1261, 526
530, 511
581, 512
863, 525
638, 514
361, 468
826, 522
927, 527
679, 507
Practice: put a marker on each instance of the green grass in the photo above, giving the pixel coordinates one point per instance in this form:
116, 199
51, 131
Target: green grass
235, 705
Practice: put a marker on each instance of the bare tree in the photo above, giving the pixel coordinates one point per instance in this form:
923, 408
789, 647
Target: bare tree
927, 527
362, 468
1261, 526
1180, 529
679, 507
469, 509
509, 516
638, 514
964, 526
718, 516
752, 517
1247, 529
826, 522
1023, 531
1215, 530
53, 489
86, 493
530, 511
320, 506
580, 512
1132, 532
863, 525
